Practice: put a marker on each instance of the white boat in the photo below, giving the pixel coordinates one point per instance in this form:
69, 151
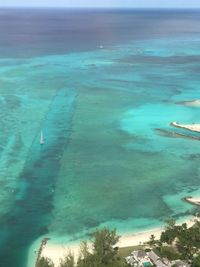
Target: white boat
41, 138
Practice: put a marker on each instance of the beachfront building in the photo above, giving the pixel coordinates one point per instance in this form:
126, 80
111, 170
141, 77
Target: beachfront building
130, 260
142, 258
139, 258
156, 260
180, 263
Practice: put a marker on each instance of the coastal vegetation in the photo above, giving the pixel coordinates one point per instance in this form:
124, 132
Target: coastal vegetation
180, 242
102, 252
44, 262
177, 242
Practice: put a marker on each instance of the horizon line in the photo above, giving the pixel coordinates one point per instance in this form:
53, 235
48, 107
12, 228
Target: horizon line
109, 7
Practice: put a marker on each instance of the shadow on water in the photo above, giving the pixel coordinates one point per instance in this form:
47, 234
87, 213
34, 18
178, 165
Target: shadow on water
31, 213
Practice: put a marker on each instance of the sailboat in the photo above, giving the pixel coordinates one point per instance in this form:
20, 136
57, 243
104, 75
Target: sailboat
41, 138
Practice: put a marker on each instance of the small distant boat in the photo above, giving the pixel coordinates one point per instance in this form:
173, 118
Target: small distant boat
41, 138
101, 46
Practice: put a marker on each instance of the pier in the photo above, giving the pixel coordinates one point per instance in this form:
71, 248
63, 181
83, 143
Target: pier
43, 244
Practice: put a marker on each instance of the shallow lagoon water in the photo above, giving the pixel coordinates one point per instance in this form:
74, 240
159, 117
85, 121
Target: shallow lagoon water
103, 162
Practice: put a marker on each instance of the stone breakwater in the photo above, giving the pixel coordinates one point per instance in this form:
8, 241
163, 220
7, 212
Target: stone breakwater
173, 134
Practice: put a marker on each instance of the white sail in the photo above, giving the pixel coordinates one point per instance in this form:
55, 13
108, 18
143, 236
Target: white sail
41, 138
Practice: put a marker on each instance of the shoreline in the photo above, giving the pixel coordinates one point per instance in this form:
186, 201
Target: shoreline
192, 200
191, 103
190, 127
55, 250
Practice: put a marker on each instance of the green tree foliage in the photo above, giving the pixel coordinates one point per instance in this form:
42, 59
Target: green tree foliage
196, 262
44, 262
189, 242
68, 261
172, 231
169, 253
152, 240
103, 245
85, 258
168, 236
104, 251
187, 239
170, 223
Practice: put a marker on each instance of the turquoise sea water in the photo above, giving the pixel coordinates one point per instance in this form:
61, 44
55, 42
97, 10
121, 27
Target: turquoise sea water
106, 159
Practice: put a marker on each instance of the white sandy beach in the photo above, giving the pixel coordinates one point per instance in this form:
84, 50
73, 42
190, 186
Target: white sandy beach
56, 251
191, 127
193, 103
193, 200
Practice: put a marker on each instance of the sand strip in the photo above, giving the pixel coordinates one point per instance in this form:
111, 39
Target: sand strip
193, 200
56, 251
190, 127
193, 103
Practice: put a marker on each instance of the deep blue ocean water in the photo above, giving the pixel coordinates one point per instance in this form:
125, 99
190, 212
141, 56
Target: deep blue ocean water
103, 86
